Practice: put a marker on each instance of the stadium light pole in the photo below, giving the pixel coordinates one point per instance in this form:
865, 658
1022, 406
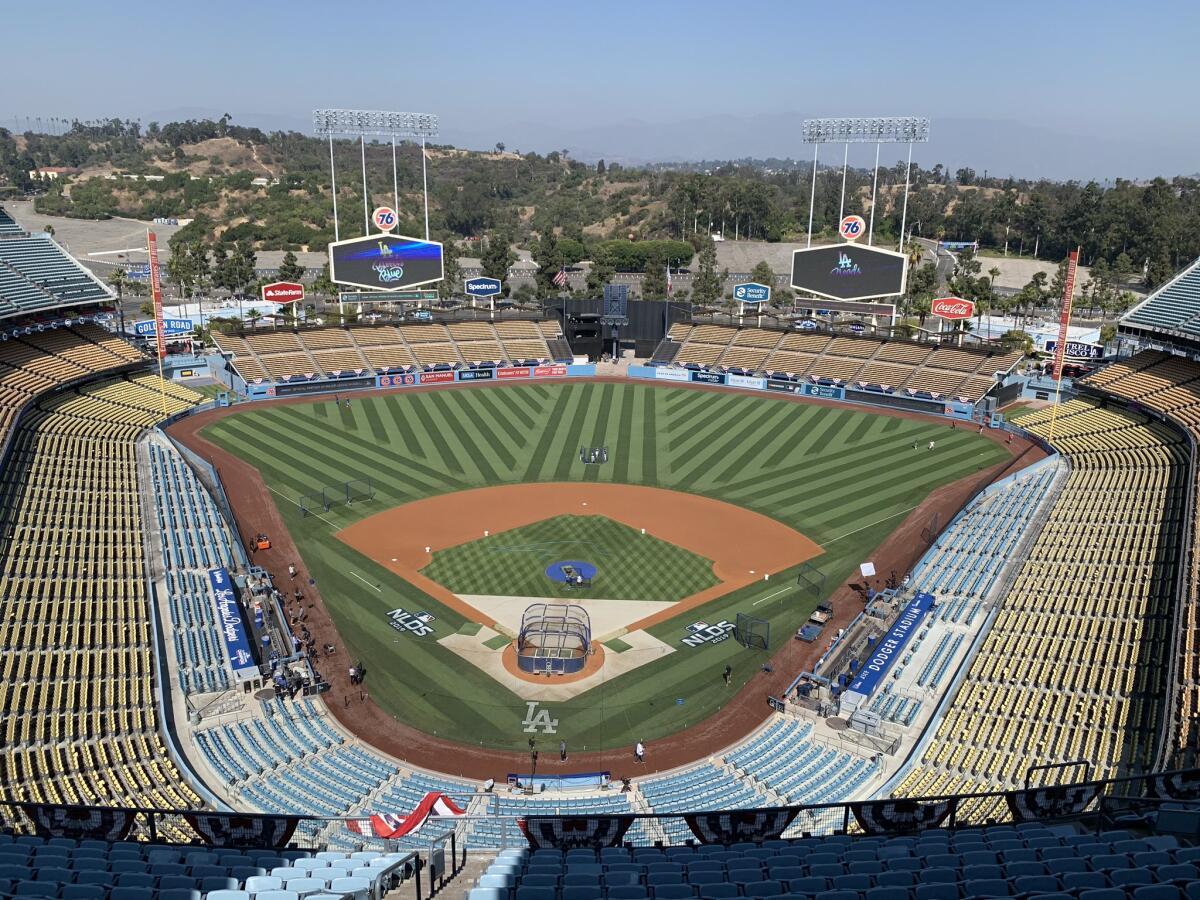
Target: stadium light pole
877, 130
364, 123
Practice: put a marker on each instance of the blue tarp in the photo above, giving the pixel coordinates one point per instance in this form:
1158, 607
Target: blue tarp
233, 629
891, 645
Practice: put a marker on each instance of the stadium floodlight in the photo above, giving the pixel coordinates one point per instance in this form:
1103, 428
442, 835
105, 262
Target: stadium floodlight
374, 123
877, 130
364, 123
867, 130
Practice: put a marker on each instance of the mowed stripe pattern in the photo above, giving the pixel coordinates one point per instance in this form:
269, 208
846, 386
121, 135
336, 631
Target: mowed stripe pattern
818, 469
841, 477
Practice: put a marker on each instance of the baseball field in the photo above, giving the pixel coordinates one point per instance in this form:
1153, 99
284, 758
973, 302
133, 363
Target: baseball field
841, 479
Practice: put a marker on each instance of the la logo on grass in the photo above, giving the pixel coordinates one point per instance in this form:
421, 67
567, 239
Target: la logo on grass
538, 718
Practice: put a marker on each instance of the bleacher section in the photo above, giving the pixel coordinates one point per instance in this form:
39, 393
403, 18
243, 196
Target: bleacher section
77, 697
342, 352
1172, 308
1171, 385
924, 370
1075, 664
131, 870
36, 274
193, 539
1027, 860
43, 360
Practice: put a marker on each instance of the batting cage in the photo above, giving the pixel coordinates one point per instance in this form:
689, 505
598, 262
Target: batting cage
554, 638
752, 632
346, 493
811, 580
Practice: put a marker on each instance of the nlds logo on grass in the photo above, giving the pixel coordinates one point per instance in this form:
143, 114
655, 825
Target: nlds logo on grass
702, 633
417, 624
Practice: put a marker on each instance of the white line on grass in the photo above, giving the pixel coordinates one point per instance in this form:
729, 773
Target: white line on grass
296, 503
367, 583
868, 525
769, 596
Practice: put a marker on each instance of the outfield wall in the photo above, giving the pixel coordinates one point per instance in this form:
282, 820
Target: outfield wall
955, 409
412, 379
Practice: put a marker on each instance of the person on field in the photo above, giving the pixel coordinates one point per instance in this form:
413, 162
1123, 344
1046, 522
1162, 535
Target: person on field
931, 445
728, 675
639, 752
562, 751
291, 570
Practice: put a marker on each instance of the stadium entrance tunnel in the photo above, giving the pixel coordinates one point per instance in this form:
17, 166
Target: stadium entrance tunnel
571, 571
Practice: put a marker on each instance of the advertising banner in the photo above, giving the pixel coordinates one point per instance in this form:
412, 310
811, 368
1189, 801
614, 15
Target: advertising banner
849, 272
148, 327
824, 391
752, 292
550, 371
1078, 349
790, 387
708, 377
385, 262
513, 372
952, 308
476, 374
436, 377
665, 374
891, 645
283, 292
397, 380
482, 287
745, 381
233, 629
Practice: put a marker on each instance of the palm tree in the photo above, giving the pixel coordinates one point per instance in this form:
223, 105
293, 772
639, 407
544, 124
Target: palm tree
915, 251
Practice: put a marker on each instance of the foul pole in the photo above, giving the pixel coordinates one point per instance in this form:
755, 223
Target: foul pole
1060, 350
159, 337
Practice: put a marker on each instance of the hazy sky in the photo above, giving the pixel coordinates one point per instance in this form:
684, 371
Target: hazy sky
1065, 88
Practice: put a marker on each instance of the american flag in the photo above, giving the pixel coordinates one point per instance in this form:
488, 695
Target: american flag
560, 279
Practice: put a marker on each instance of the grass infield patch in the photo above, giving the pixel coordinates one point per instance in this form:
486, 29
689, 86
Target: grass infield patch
469, 628
499, 642
630, 565
616, 645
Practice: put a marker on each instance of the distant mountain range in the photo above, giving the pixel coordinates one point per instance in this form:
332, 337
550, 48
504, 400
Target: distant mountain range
998, 147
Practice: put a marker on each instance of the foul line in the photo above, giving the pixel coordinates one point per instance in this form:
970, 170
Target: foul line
296, 503
367, 583
769, 596
868, 525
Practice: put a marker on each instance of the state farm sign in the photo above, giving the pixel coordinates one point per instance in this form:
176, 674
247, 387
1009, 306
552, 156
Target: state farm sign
952, 308
283, 292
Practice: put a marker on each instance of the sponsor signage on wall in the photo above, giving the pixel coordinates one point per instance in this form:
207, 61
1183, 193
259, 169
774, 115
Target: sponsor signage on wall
436, 377
666, 374
476, 374
744, 381
708, 377
549, 371
849, 272
1078, 349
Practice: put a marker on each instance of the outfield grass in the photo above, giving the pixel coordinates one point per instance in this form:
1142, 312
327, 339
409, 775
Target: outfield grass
630, 566
844, 478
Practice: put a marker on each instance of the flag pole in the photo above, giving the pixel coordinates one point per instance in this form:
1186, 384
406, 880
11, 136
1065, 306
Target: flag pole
1060, 350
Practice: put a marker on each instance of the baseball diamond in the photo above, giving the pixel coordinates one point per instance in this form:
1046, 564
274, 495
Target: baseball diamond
839, 480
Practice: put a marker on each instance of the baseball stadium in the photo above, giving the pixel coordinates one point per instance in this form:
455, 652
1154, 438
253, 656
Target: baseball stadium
438, 601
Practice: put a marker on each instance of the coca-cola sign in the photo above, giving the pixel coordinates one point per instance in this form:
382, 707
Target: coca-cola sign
952, 308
